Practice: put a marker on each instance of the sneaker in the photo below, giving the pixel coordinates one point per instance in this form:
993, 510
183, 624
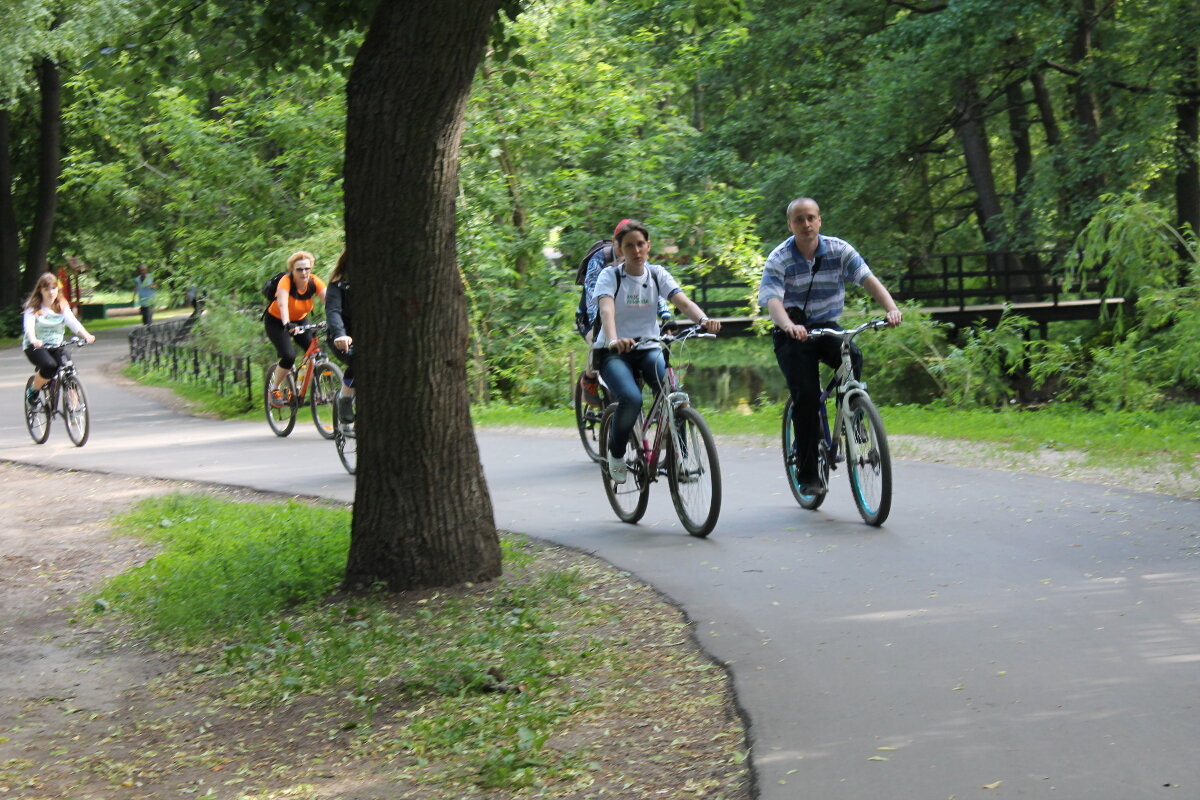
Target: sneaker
591, 389
277, 400
32, 396
345, 410
617, 470
810, 484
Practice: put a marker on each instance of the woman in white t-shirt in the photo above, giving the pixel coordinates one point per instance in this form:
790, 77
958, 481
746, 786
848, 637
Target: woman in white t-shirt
627, 296
46, 314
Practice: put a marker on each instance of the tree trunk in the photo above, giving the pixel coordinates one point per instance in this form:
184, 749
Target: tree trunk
49, 170
973, 136
1187, 140
422, 513
1045, 106
1087, 117
1018, 126
10, 238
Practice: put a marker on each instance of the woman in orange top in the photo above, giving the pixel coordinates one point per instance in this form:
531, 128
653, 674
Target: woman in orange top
293, 300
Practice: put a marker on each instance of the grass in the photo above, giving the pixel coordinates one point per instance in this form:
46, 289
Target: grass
465, 692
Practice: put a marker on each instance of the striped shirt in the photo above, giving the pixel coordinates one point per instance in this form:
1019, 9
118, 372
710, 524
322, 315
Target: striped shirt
822, 293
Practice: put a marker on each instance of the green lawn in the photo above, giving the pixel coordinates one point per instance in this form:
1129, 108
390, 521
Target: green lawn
1108, 437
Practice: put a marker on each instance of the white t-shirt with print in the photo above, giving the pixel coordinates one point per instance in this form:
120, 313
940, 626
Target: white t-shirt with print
636, 301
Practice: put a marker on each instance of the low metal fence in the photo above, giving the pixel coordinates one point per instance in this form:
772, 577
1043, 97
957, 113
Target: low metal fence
162, 348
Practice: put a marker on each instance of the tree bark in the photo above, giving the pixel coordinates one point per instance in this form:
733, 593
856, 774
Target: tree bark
978, 158
49, 167
422, 513
1187, 140
10, 237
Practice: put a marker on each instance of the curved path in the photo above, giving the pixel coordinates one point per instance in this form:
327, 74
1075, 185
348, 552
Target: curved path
1029, 636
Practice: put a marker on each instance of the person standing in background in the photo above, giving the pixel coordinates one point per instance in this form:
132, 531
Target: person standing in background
143, 293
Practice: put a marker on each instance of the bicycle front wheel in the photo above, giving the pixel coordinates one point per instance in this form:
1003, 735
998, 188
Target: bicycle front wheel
693, 472
587, 420
868, 460
628, 499
37, 414
809, 501
327, 384
346, 439
75, 410
280, 404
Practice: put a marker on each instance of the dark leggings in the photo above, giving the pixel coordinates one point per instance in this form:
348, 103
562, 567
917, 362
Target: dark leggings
283, 341
800, 363
345, 358
46, 360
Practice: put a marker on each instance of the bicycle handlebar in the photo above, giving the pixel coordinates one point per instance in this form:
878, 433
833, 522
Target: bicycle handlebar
693, 331
305, 327
874, 324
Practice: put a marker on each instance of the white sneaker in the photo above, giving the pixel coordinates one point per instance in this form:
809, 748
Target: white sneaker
617, 469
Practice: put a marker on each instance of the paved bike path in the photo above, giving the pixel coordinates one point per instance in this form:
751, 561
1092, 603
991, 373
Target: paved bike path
1000, 629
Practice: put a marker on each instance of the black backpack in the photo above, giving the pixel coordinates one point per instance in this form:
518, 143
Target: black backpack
582, 324
272, 286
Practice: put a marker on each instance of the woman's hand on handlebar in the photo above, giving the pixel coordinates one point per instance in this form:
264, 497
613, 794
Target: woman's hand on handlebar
87, 337
622, 345
343, 343
711, 325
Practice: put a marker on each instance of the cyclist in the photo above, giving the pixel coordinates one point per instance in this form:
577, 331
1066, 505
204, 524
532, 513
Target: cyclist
599, 260
627, 295
337, 318
804, 287
46, 314
293, 300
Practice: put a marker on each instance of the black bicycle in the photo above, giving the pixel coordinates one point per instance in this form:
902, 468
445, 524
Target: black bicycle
856, 425
62, 395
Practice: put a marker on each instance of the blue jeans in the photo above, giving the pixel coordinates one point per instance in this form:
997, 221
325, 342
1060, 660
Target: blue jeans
620, 372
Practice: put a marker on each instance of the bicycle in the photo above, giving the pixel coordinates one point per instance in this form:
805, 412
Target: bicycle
690, 463
315, 372
858, 426
63, 395
589, 417
345, 438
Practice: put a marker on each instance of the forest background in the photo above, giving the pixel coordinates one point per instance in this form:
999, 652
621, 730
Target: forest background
138, 132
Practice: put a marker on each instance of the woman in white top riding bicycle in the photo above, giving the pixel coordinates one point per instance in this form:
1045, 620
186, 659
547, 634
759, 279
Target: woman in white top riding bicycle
46, 314
627, 296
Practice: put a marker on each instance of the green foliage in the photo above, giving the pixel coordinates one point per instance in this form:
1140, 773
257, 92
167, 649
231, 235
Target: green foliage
478, 681
226, 566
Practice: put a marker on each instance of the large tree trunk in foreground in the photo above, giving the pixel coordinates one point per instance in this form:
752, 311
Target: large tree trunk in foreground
10, 259
49, 173
422, 514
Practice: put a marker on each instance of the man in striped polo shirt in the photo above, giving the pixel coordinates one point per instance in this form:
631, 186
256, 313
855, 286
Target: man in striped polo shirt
804, 286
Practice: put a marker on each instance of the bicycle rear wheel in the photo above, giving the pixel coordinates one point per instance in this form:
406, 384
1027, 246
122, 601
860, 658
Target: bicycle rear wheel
326, 385
37, 415
693, 472
347, 443
810, 501
868, 460
75, 410
628, 499
281, 409
587, 420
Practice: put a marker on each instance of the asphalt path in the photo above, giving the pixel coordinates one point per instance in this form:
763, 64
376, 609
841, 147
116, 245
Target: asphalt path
1001, 633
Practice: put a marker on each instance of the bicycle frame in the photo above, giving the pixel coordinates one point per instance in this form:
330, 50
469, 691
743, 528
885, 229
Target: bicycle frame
662, 411
843, 386
311, 356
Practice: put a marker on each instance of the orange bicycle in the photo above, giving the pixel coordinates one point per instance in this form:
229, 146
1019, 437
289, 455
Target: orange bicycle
315, 380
